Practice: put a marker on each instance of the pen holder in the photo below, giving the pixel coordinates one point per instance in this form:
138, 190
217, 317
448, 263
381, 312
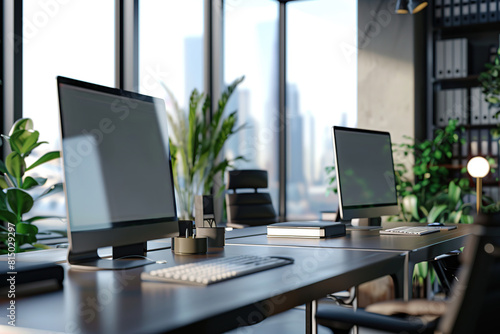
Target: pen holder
216, 235
189, 245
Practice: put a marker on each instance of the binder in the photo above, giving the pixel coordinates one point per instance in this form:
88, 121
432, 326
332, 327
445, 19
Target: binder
450, 105
494, 147
465, 107
485, 110
441, 109
474, 142
485, 141
440, 68
448, 58
475, 106
458, 106
465, 12
492, 11
473, 11
457, 13
493, 119
465, 57
483, 11
447, 13
438, 13
457, 57
464, 148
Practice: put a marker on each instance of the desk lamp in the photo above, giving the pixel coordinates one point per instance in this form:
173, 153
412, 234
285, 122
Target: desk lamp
478, 167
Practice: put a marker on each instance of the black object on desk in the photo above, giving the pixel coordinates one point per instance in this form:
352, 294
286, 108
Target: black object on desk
29, 272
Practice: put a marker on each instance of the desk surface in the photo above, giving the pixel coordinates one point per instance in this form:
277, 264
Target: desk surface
119, 302
416, 248
442, 241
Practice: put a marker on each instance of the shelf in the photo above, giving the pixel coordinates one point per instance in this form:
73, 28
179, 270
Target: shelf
464, 82
467, 30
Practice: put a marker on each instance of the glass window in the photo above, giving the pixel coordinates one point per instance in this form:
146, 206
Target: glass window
251, 49
321, 92
171, 48
67, 38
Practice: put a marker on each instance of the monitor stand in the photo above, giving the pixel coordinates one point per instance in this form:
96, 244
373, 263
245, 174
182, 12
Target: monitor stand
124, 257
364, 224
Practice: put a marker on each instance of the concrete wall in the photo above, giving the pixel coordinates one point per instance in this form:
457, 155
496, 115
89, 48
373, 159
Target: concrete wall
386, 78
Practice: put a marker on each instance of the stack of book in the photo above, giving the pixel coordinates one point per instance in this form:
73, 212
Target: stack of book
306, 229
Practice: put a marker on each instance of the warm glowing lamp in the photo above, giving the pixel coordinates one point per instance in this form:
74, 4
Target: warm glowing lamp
478, 167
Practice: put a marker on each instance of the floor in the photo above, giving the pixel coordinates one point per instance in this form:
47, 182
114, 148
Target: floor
289, 322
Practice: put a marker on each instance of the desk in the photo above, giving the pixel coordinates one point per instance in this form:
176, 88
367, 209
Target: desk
415, 248
119, 302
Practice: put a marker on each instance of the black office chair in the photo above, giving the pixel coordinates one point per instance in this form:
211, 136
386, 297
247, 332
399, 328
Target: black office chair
472, 308
248, 208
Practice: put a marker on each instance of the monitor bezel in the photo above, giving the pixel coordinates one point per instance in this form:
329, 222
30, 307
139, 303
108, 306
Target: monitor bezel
362, 211
121, 234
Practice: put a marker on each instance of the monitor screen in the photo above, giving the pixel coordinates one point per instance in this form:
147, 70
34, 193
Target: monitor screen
365, 173
118, 178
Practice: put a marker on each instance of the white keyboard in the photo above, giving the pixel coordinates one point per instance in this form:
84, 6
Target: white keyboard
216, 270
411, 230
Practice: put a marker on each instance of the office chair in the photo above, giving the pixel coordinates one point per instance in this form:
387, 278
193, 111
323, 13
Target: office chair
248, 208
472, 308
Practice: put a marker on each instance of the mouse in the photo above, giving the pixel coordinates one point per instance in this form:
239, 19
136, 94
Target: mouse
435, 224
161, 261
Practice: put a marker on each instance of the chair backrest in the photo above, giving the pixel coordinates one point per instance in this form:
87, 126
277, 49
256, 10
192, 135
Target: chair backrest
248, 208
475, 301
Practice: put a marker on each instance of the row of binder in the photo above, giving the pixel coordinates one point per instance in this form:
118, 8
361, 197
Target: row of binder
451, 104
449, 13
456, 104
481, 143
481, 111
451, 58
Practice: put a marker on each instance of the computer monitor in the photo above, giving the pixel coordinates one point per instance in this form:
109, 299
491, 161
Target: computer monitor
118, 176
365, 174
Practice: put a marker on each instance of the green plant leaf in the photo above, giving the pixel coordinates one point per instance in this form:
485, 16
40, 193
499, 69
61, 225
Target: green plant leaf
56, 188
29, 142
33, 219
19, 201
21, 124
43, 159
435, 212
30, 182
28, 230
8, 216
17, 139
410, 204
15, 165
3, 168
3, 183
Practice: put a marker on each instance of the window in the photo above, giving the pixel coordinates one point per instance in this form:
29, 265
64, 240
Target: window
321, 92
171, 48
73, 39
251, 49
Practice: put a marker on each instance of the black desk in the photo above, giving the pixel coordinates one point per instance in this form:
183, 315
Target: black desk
415, 248
119, 302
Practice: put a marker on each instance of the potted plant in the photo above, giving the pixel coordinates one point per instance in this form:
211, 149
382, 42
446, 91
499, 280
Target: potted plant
431, 194
15, 198
196, 141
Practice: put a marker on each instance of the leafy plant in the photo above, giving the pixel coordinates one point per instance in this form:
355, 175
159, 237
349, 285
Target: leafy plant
490, 84
15, 200
331, 179
196, 143
432, 195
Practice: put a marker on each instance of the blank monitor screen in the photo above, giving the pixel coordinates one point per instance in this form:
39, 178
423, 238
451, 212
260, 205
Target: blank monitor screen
365, 173
117, 168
